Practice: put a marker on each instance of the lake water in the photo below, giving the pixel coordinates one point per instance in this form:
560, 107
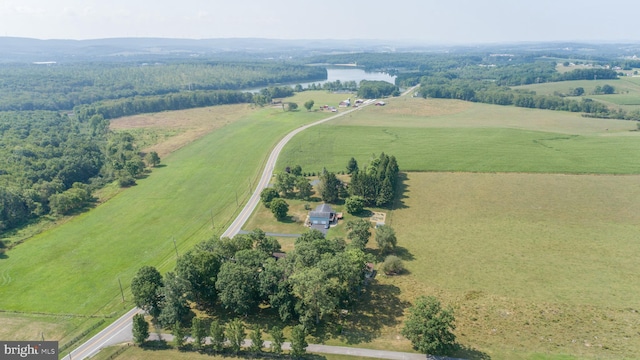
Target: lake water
353, 74
344, 74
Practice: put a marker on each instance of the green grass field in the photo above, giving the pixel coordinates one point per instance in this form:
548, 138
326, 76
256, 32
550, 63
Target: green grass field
532, 263
537, 266
627, 94
462, 141
75, 268
539, 262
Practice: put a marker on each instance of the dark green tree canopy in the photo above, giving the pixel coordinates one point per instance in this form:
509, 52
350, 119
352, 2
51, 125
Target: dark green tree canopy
430, 327
279, 208
146, 290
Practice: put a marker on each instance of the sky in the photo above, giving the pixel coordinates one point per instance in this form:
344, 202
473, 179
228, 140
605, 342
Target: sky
426, 21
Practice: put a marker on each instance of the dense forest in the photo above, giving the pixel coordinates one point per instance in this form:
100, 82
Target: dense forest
62, 87
50, 163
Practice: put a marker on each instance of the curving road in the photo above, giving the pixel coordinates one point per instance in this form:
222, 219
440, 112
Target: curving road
121, 330
267, 173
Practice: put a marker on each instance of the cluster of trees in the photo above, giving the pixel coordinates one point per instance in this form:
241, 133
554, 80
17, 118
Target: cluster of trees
265, 95
112, 109
289, 184
376, 183
44, 159
315, 280
51, 163
377, 89
62, 87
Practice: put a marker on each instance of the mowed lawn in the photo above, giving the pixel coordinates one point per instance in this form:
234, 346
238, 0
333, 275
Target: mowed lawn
532, 263
457, 136
75, 268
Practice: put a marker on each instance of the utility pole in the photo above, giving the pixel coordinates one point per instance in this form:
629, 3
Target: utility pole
175, 246
121, 292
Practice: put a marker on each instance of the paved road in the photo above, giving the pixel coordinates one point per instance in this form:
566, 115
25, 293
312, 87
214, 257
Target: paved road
116, 333
120, 330
267, 173
337, 350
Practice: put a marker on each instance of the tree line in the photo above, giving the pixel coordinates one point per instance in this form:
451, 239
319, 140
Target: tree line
490, 93
63, 87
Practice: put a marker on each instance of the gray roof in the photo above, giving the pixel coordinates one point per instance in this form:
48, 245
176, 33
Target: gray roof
324, 208
322, 211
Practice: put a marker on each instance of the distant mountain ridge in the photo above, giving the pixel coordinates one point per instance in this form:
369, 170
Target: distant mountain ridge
15, 49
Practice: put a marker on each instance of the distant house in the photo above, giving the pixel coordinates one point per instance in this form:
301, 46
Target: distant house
322, 216
380, 103
345, 103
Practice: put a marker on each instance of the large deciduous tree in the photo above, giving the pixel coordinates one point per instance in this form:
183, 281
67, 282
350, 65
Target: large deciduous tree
354, 204
267, 195
174, 302
145, 288
200, 268
279, 208
237, 287
429, 327
309, 104
316, 294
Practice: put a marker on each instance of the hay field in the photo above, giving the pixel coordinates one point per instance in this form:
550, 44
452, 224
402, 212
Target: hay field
470, 137
627, 88
168, 131
533, 263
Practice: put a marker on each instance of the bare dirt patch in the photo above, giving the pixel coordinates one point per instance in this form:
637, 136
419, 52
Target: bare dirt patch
171, 130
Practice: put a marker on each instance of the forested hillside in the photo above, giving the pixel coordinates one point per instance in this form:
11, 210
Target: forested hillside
62, 87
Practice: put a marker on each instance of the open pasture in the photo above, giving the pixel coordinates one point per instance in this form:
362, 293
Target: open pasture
75, 267
627, 94
533, 263
166, 132
450, 135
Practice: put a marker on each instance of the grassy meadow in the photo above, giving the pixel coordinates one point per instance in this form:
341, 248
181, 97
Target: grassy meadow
627, 94
75, 268
513, 218
457, 138
542, 263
